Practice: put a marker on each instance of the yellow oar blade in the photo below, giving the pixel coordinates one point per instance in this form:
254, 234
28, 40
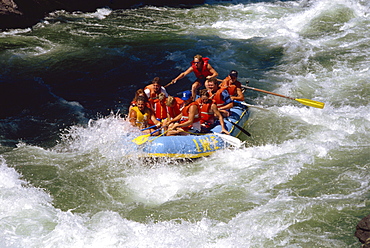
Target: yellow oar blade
141, 139
311, 103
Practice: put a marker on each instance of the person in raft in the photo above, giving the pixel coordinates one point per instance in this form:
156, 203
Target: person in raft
160, 107
233, 86
220, 96
188, 121
141, 116
174, 106
154, 89
139, 93
209, 113
202, 70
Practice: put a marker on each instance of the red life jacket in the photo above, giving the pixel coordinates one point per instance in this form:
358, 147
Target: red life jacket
160, 109
175, 110
204, 72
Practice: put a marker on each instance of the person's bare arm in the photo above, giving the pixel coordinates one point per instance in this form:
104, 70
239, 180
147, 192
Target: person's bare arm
240, 95
227, 106
176, 119
213, 71
182, 75
132, 117
220, 118
193, 110
154, 120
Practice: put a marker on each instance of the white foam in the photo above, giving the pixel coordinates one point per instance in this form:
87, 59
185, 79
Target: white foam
100, 13
155, 186
12, 32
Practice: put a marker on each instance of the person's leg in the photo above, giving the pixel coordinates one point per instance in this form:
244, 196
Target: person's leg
194, 88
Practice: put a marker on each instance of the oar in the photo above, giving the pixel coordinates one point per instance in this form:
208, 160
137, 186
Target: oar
307, 102
168, 84
148, 128
144, 138
230, 139
241, 129
161, 134
250, 105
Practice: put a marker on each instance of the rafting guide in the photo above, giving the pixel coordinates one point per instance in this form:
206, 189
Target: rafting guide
233, 86
202, 70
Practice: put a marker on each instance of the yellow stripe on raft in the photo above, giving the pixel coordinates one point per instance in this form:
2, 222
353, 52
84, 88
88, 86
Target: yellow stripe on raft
176, 155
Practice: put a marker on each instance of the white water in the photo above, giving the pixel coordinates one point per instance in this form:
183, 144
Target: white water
254, 196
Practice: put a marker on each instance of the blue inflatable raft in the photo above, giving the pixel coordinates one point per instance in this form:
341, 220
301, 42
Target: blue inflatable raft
196, 146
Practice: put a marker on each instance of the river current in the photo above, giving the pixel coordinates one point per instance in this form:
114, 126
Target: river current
69, 178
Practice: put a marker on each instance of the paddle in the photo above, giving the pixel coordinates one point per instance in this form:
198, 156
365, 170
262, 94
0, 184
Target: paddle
307, 102
230, 139
148, 128
144, 138
241, 129
161, 134
250, 105
168, 84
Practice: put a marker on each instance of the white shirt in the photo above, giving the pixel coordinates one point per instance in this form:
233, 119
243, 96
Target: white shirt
163, 90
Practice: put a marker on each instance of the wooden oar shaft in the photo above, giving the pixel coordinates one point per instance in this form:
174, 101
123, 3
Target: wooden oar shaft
168, 84
306, 102
268, 92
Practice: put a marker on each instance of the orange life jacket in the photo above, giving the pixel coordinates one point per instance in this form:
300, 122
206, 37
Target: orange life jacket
160, 109
232, 90
230, 86
204, 72
206, 115
152, 93
175, 110
185, 115
216, 97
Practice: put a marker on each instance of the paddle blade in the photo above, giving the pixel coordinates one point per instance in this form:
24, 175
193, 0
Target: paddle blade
141, 139
230, 140
311, 103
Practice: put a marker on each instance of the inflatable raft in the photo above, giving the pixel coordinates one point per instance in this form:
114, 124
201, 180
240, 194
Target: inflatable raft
199, 145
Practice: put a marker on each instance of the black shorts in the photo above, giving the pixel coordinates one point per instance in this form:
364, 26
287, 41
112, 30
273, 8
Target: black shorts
201, 80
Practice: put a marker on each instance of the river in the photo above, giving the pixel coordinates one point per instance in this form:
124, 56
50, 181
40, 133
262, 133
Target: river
69, 178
